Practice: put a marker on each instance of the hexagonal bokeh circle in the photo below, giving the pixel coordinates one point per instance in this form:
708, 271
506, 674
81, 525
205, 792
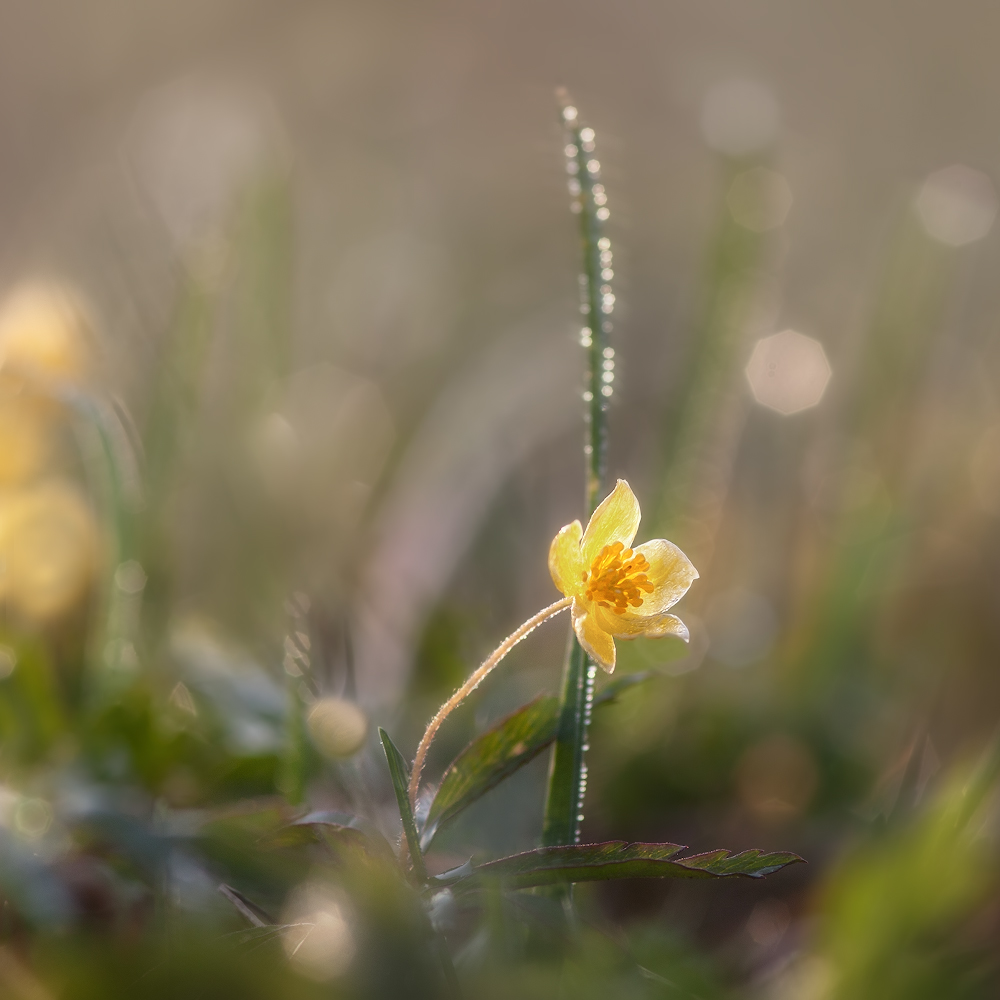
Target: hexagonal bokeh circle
957, 205
788, 372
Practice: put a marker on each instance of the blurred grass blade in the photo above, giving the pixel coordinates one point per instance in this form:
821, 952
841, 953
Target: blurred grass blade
490, 758
617, 859
400, 775
691, 430
249, 910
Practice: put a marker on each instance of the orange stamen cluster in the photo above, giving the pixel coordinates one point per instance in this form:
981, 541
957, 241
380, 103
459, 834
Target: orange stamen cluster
616, 577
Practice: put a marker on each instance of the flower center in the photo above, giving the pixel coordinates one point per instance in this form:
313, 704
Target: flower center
617, 578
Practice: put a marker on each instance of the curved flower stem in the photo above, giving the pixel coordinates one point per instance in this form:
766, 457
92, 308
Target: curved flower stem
475, 679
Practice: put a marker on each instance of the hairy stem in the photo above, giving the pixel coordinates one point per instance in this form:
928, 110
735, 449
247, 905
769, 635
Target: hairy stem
475, 679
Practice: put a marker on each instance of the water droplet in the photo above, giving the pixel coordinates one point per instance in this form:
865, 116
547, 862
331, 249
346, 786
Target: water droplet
586, 135
607, 391
606, 326
574, 187
605, 254
607, 274
569, 113
603, 214
587, 397
604, 243
600, 199
588, 449
575, 207
571, 150
593, 166
609, 352
572, 167
608, 365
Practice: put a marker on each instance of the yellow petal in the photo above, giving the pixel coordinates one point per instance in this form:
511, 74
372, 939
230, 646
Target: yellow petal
600, 646
670, 572
565, 562
615, 520
635, 626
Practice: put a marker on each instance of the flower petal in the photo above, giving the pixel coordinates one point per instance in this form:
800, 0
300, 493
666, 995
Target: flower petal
670, 572
600, 646
635, 626
615, 520
565, 562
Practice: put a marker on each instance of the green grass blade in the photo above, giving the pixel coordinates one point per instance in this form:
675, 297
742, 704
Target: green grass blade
400, 775
568, 774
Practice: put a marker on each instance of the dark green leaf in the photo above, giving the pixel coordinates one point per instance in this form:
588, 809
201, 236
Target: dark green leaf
503, 749
331, 827
618, 859
400, 775
490, 758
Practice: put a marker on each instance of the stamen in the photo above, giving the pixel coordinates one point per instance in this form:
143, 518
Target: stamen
618, 578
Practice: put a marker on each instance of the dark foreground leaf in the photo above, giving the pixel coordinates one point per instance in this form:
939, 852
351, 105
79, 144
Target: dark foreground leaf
619, 859
490, 758
400, 775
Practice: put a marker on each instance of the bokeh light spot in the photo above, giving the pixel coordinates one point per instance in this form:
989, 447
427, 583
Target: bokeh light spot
957, 205
316, 936
788, 372
32, 818
337, 727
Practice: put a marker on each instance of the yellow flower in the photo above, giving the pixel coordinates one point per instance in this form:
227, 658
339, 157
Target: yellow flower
43, 335
49, 549
617, 591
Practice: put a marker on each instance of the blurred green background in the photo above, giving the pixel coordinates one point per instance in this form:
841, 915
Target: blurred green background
290, 411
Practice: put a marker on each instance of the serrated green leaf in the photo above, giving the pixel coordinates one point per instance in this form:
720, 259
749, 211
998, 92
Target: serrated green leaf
490, 758
619, 859
400, 775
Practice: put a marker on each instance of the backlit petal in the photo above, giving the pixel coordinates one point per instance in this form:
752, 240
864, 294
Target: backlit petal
634, 625
615, 520
600, 646
565, 562
670, 572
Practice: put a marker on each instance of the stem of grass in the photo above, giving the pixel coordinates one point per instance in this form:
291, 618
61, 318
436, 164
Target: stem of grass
568, 770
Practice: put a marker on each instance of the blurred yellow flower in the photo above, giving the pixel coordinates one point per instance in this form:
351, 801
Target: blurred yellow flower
617, 591
25, 438
43, 335
48, 549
